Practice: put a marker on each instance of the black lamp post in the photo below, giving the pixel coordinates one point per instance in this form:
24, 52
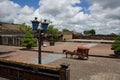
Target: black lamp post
44, 26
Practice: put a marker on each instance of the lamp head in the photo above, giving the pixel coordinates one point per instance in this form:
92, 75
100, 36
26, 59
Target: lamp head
35, 24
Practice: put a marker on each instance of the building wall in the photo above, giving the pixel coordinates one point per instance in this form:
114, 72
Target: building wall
67, 36
11, 40
10, 34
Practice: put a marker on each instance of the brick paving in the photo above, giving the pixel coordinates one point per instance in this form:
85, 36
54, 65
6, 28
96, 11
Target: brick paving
95, 68
101, 49
58, 49
47, 59
92, 69
27, 56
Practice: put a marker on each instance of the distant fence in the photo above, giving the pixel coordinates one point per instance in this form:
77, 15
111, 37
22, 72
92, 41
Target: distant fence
24, 71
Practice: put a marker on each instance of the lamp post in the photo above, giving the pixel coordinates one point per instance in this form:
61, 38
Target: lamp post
44, 26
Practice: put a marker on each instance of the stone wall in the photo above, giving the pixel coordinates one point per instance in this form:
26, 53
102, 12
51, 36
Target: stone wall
96, 37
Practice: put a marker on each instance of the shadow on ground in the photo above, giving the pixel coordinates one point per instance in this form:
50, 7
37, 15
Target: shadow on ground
6, 52
24, 49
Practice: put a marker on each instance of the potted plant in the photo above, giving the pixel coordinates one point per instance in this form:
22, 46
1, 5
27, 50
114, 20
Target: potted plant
116, 46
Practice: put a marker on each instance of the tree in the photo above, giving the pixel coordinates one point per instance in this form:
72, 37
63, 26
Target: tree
116, 43
86, 32
116, 46
25, 28
92, 31
113, 34
53, 32
89, 32
28, 41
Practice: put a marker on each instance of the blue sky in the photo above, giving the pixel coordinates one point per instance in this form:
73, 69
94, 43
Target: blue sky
75, 15
35, 4
85, 6
31, 3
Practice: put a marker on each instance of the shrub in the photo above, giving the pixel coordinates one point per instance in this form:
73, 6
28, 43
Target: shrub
116, 44
28, 41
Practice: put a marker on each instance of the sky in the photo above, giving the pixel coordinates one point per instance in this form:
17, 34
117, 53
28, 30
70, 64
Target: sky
75, 15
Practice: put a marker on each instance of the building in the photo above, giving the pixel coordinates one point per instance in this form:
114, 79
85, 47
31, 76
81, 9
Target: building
67, 34
10, 34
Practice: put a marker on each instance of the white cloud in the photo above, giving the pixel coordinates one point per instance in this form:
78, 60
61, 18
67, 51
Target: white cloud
104, 15
13, 13
61, 12
8, 10
27, 10
107, 3
25, 15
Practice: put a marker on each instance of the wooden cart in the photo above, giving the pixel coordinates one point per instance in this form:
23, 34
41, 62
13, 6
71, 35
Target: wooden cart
82, 52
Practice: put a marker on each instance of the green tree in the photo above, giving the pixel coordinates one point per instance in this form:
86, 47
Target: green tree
89, 32
28, 41
116, 44
25, 28
53, 32
92, 31
113, 34
86, 32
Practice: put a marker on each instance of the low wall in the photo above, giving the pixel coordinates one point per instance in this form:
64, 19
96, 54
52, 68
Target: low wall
96, 37
24, 71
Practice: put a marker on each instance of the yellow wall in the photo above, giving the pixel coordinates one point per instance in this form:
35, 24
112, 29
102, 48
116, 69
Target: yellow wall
67, 36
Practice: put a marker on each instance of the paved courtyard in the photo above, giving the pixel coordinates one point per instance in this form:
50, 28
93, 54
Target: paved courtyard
99, 66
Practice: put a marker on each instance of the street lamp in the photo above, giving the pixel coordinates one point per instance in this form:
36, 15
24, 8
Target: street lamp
44, 26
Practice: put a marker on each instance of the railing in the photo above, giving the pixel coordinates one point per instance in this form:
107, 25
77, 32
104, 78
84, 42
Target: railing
24, 71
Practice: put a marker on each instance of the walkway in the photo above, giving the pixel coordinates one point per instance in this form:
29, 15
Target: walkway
47, 59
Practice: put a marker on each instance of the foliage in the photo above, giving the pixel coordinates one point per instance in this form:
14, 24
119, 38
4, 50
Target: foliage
25, 28
28, 40
92, 31
86, 32
113, 34
89, 32
116, 44
53, 32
